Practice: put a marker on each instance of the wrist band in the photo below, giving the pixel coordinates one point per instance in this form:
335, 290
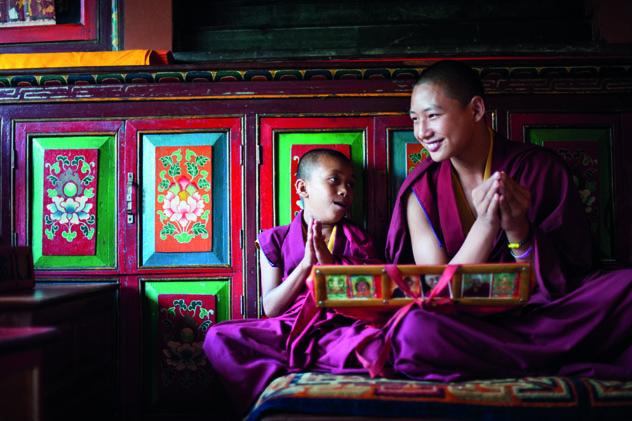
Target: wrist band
523, 255
518, 244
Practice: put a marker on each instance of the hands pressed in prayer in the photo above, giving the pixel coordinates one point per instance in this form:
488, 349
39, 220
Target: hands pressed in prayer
323, 255
316, 250
486, 197
514, 205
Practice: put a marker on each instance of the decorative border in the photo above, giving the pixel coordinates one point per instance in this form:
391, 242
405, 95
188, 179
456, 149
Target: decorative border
498, 79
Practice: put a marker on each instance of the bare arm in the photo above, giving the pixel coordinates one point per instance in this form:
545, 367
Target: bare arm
277, 295
477, 244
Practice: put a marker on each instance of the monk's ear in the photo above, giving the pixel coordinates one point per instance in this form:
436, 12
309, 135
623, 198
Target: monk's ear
477, 105
301, 188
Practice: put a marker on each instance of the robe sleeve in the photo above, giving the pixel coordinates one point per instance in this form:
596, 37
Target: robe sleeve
270, 242
560, 229
359, 248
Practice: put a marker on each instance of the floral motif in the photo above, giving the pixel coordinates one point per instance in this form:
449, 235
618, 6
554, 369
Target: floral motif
184, 321
185, 198
70, 207
585, 170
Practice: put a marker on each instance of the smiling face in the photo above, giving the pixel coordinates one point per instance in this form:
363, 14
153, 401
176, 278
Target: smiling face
327, 191
442, 124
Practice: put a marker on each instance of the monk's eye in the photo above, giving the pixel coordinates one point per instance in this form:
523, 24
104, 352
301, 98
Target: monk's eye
333, 180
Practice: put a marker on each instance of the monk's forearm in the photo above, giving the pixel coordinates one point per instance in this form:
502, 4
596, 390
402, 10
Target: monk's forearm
282, 296
477, 245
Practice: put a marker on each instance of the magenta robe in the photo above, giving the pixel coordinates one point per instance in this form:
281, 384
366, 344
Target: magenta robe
247, 354
576, 322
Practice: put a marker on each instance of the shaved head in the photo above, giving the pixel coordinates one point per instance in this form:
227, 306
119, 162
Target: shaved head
458, 80
311, 159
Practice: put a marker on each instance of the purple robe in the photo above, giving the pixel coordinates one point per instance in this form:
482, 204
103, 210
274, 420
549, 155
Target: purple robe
576, 322
248, 354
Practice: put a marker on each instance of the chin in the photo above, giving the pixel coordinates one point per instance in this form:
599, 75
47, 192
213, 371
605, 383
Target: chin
438, 156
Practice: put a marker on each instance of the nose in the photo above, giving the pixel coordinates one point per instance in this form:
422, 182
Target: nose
345, 190
422, 130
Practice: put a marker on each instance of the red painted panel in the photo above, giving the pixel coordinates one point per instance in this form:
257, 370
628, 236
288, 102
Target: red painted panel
415, 153
70, 196
183, 320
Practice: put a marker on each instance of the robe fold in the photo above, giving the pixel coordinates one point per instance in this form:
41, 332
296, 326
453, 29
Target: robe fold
247, 354
575, 323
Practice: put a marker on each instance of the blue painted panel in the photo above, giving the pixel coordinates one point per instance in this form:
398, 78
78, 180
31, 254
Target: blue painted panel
397, 145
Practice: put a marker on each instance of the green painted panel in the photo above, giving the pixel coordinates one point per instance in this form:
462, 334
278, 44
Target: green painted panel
284, 164
588, 154
177, 314
105, 249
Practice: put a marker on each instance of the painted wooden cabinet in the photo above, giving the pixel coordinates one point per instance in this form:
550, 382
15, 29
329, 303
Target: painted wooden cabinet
161, 179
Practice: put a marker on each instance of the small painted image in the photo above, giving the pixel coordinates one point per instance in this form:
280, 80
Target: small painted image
476, 285
336, 287
505, 285
413, 283
429, 281
362, 286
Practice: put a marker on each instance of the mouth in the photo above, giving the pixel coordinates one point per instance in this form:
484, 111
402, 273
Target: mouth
433, 146
341, 205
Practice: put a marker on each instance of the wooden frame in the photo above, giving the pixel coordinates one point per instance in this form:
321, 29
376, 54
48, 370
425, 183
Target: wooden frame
381, 293
97, 23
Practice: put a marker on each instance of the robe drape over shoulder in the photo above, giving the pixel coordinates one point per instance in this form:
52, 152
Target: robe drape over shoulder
576, 322
247, 354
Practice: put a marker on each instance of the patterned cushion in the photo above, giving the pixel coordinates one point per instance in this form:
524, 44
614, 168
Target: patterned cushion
503, 399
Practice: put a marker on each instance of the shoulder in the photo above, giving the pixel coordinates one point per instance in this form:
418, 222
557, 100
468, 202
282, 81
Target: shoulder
519, 156
427, 168
271, 243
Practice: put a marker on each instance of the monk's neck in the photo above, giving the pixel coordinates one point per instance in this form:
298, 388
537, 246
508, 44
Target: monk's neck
470, 165
326, 229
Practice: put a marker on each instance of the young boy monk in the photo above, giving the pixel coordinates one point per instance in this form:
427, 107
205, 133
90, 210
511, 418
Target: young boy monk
247, 354
481, 198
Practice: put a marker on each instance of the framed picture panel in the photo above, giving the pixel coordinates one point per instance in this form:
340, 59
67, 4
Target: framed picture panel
586, 144
70, 169
177, 314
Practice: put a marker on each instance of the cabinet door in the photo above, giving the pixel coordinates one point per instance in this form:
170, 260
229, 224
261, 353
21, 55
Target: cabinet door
587, 143
177, 314
66, 192
187, 183
285, 140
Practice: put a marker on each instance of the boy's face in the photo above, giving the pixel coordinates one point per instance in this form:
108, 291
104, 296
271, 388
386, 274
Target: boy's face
328, 190
441, 124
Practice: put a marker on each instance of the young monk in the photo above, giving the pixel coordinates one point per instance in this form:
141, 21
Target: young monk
481, 198
248, 354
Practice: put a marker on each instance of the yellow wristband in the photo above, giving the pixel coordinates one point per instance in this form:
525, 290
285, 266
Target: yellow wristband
516, 245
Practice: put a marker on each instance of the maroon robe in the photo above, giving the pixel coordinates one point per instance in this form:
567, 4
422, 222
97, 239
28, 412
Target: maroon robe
575, 322
248, 354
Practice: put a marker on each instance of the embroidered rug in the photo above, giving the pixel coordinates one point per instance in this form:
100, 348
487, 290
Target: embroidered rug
533, 398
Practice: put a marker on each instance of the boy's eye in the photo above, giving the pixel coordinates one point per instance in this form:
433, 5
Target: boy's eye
433, 115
